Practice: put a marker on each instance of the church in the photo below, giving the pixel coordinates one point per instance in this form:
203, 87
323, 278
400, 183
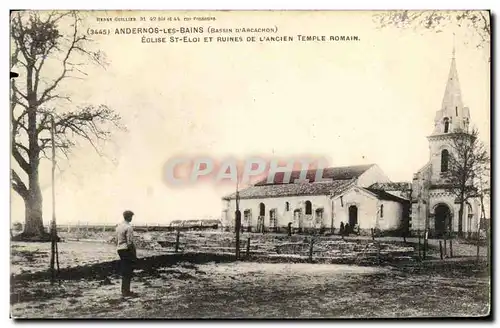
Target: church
363, 196
433, 203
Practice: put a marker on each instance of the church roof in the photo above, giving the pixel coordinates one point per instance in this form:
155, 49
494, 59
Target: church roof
391, 186
331, 173
292, 189
340, 179
452, 94
383, 195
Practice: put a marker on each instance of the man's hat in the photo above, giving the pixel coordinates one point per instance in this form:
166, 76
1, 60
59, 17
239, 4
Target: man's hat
128, 214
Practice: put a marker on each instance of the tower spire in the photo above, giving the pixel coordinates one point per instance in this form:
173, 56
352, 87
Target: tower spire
453, 116
453, 51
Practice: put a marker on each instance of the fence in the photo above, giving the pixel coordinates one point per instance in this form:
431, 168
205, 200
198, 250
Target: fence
86, 227
305, 248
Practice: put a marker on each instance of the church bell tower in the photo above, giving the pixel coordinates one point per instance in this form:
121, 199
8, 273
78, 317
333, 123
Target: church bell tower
449, 123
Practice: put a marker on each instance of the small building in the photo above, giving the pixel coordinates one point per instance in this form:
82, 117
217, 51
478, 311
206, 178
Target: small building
202, 224
346, 196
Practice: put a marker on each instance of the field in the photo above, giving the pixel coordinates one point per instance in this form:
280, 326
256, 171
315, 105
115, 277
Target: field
386, 280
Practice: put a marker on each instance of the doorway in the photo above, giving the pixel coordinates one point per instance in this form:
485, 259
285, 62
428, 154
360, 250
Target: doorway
353, 216
442, 219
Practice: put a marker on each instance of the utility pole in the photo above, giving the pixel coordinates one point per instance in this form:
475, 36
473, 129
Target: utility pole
54, 256
237, 225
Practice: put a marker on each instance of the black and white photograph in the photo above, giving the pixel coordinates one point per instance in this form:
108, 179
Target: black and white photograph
253, 164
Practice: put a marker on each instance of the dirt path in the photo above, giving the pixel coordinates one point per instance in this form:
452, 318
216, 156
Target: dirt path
258, 290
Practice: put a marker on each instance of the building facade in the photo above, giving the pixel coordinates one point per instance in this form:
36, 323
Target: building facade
346, 197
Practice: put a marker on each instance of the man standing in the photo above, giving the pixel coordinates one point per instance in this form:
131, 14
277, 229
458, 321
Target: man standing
126, 250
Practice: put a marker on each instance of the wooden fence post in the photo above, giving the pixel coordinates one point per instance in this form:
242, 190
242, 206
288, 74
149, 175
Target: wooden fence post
441, 249
248, 247
378, 253
373, 234
419, 243
311, 247
478, 240
177, 237
451, 248
424, 246
426, 232
445, 251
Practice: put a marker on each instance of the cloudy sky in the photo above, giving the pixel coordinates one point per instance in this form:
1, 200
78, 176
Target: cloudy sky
371, 101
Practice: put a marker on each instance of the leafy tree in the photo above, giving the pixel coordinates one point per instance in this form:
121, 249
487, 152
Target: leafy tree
45, 56
468, 166
436, 20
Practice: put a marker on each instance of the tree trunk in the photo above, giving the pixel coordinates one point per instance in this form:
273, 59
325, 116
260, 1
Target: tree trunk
33, 215
460, 218
33, 211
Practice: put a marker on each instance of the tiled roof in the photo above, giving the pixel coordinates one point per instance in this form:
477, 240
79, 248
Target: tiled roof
292, 189
391, 186
381, 194
332, 173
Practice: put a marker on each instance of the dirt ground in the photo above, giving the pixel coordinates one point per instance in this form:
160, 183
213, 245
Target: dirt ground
32, 257
262, 290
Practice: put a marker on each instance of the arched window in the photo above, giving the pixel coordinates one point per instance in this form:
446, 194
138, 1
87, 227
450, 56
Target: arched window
273, 220
287, 206
444, 160
382, 210
469, 209
446, 125
308, 208
262, 209
247, 217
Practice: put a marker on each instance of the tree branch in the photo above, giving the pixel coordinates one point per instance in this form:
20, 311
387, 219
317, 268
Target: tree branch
18, 185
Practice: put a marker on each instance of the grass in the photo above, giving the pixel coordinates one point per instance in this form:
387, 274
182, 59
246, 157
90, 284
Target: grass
250, 290
454, 287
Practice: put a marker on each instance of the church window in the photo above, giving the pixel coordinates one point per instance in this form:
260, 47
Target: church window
262, 209
456, 110
319, 215
247, 217
382, 210
446, 125
308, 208
287, 206
444, 160
273, 220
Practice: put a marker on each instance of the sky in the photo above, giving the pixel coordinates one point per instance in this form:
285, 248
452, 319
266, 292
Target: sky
371, 101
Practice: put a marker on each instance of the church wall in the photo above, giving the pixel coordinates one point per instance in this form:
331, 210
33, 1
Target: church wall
442, 197
368, 211
393, 215
371, 176
418, 214
436, 146
283, 216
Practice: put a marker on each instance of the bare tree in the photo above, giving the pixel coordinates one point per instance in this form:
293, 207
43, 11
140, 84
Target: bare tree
39, 38
436, 20
468, 164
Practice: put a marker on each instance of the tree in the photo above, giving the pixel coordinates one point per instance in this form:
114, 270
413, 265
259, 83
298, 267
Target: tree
46, 56
468, 165
436, 20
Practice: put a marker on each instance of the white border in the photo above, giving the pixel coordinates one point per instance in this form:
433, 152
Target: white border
187, 4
